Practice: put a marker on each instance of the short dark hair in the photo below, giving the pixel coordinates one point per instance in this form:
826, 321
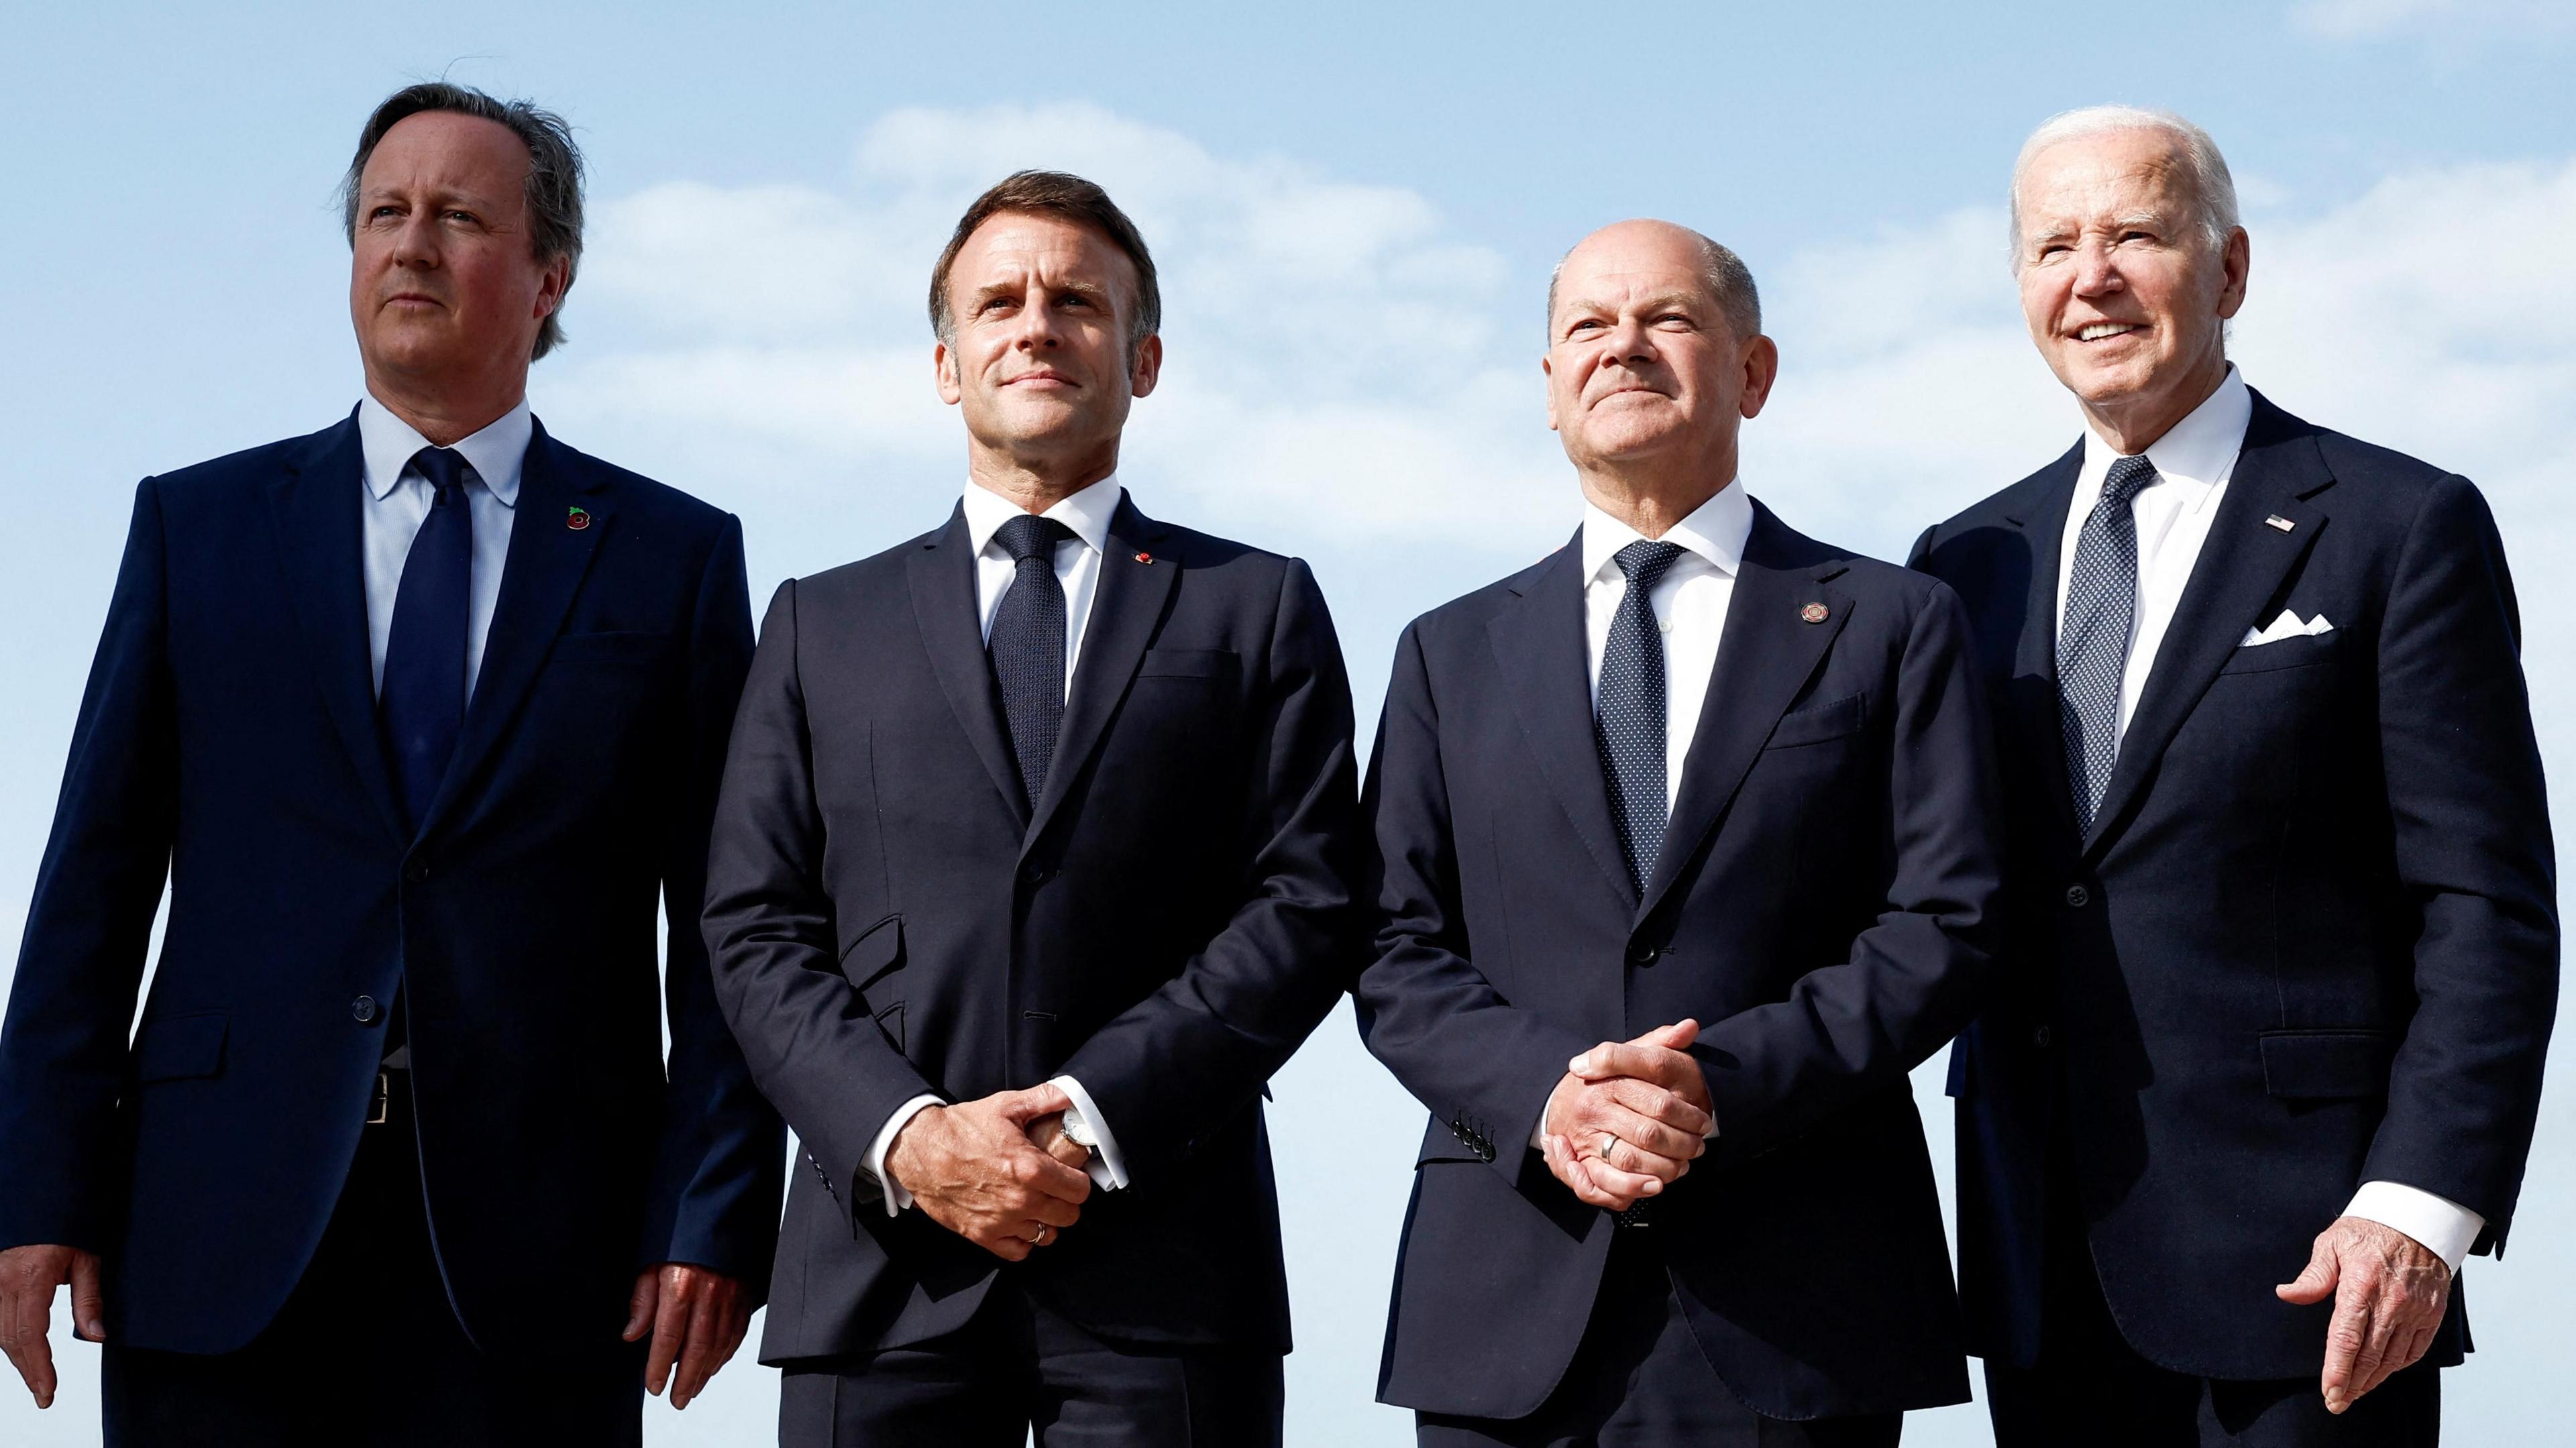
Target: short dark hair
554, 174
1058, 194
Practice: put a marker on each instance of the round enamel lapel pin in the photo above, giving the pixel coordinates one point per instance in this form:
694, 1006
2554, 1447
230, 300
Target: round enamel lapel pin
576, 519
1814, 613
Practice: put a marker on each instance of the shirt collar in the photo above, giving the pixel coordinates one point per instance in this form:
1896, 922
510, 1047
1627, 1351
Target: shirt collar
1087, 513
2201, 448
497, 453
1715, 530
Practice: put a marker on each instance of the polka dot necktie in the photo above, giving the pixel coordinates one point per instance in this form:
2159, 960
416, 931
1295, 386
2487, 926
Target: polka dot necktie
1026, 647
1628, 710
2093, 640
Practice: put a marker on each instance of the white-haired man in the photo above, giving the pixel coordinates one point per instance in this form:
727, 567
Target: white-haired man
2280, 946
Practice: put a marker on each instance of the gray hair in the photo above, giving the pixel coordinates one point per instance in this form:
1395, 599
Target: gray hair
554, 174
2213, 190
1724, 273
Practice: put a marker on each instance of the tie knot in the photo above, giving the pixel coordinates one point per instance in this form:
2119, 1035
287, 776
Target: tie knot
1645, 561
1030, 536
2127, 478
445, 467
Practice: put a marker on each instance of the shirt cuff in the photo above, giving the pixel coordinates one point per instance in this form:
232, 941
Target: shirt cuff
1108, 1171
2444, 1227
896, 1198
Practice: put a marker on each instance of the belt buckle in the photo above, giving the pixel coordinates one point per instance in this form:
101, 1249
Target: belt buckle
377, 1108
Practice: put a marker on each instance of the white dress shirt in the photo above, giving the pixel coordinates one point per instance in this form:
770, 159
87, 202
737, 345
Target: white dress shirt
1077, 567
1689, 603
397, 501
2193, 461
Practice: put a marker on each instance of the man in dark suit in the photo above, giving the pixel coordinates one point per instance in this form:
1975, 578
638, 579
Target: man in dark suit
1714, 796
1033, 852
419, 715
2280, 938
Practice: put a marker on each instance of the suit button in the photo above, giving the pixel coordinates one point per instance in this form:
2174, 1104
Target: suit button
1035, 873
416, 871
1641, 954
2078, 897
2040, 1038
363, 1009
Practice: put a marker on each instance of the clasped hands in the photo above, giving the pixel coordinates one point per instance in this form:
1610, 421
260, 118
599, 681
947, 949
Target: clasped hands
1628, 1118
999, 1172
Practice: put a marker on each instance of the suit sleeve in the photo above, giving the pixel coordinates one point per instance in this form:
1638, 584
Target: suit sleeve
1188, 1057
718, 1172
812, 1046
1479, 1063
2473, 853
1916, 977
89, 924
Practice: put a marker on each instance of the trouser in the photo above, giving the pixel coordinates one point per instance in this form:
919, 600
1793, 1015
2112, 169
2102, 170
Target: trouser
1019, 1366
367, 1352
1640, 1380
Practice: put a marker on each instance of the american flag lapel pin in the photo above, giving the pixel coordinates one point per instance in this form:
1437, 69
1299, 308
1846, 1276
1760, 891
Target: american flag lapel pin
2277, 521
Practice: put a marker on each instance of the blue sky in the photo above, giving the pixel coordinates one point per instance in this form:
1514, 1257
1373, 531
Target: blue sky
1355, 211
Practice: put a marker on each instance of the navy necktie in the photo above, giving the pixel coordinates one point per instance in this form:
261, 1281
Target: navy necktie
1628, 710
2093, 640
422, 705
1026, 646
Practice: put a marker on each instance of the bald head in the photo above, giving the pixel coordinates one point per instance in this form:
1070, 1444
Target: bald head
1644, 240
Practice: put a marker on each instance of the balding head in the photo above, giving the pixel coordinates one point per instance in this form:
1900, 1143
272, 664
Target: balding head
1729, 282
1655, 356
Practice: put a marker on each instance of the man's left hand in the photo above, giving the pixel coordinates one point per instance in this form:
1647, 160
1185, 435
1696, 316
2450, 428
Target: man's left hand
697, 1317
2389, 1291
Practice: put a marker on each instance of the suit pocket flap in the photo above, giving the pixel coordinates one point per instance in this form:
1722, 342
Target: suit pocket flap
178, 1047
1188, 664
876, 953
2302, 1065
1819, 723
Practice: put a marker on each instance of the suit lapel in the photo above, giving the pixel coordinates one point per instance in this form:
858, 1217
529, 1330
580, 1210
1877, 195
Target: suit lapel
1126, 609
2233, 587
1538, 644
1765, 656
952, 633
544, 569
315, 508
2032, 704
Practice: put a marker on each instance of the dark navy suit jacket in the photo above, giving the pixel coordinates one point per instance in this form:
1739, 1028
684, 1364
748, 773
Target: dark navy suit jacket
888, 918
228, 742
1820, 904
2311, 940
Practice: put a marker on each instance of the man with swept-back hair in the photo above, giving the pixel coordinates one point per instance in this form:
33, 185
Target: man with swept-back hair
2281, 944
419, 716
1033, 863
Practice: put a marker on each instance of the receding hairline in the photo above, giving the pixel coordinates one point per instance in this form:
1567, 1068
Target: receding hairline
1722, 275
2190, 160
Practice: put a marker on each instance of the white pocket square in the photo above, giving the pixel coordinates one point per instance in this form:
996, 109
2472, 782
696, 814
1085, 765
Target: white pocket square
2287, 626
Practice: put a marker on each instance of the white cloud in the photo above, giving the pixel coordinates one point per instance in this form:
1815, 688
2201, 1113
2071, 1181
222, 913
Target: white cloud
1334, 355
2369, 19
1347, 375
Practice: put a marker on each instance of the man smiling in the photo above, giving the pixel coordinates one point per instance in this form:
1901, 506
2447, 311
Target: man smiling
1032, 866
1684, 834
2282, 946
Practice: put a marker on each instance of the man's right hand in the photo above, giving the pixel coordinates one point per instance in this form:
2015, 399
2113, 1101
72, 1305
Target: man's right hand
1613, 1139
28, 1277
973, 1168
